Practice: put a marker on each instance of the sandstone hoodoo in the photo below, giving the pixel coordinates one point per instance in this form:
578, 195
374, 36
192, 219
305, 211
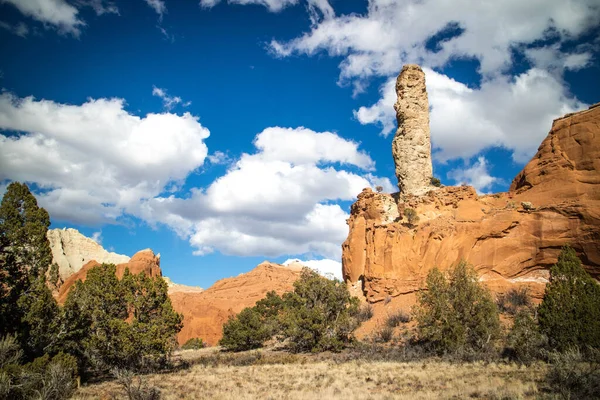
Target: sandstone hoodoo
411, 147
511, 239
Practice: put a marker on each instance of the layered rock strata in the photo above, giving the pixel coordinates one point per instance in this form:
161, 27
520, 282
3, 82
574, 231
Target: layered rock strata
411, 146
511, 239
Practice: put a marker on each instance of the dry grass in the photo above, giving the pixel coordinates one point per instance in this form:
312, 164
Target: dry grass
284, 376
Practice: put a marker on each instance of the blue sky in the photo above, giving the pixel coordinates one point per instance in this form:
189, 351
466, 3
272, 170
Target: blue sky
223, 133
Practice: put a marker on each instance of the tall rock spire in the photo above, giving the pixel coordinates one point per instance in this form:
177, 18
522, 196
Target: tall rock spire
411, 146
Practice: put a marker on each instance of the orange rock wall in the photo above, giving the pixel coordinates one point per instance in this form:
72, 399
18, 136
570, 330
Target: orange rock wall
508, 244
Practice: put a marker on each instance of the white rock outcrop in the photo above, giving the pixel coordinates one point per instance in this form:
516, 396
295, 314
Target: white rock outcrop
411, 146
71, 250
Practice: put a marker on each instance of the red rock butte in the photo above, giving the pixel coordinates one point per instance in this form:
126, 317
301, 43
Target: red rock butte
511, 239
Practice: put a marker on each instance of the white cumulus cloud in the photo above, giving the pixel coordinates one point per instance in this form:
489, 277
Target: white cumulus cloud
95, 162
274, 201
476, 175
510, 112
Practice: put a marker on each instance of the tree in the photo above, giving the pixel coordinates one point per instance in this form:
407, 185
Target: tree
27, 307
125, 324
411, 216
458, 314
570, 311
319, 314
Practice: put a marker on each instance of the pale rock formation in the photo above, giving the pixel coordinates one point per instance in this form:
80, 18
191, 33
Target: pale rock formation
71, 250
411, 146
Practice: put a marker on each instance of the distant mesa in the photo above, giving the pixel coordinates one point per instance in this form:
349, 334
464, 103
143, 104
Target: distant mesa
511, 239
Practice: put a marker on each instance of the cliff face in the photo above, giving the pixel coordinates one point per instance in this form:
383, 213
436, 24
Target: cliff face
71, 250
510, 238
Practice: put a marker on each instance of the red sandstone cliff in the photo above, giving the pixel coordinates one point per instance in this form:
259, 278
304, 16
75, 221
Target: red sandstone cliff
508, 242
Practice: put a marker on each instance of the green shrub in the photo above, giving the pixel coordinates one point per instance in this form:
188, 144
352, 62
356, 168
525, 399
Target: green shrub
575, 376
570, 311
525, 341
194, 344
397, 318
513, 300
411, 216
436, 182
245, 331
458, 315
319, 314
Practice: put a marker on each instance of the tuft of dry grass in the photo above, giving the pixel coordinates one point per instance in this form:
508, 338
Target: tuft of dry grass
273, 375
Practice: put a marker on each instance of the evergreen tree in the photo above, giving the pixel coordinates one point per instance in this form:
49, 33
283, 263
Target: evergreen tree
27, 307
128, 323
570, 311
456, 315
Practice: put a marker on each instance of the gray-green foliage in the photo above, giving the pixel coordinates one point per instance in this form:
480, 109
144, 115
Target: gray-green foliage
319, 314
456, 314
570, 311
524, 339
52, 378
120, 323
575, 375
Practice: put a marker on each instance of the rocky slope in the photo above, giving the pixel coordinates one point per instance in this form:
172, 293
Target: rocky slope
205, 313
510, 238
71, 250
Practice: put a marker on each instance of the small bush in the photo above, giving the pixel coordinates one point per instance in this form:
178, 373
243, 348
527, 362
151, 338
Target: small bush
456, 315
513, 300
525, 341
411, 216
365, 312
385, 334
245, 331
574, 376
379, 189
10, 351
436, 182
397, 318
193, 344
135, 387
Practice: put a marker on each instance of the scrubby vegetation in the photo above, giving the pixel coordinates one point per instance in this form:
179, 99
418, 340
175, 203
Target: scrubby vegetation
456, 315
411, 216
105, 322
319, 314
119, 328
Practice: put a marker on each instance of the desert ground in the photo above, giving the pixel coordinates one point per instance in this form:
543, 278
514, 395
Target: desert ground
211, 374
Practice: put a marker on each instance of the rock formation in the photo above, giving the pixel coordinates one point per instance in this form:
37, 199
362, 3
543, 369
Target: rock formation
205, 313
510, 238
71, 250
411, 147
143, 261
